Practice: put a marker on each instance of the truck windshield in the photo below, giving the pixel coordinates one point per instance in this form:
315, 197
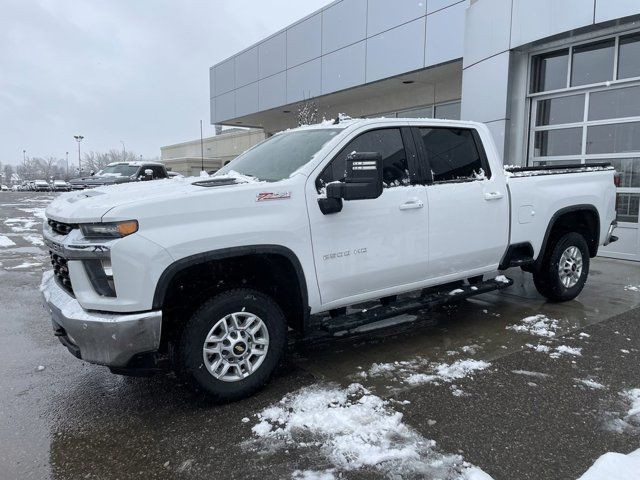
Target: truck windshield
278, 157
121, 169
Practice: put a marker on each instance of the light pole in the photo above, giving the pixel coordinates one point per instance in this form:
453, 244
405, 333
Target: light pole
201, 150
67, 165
124, 152
79, 139
24, 155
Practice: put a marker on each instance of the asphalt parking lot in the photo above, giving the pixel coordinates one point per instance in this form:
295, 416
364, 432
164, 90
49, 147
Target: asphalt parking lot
518, 387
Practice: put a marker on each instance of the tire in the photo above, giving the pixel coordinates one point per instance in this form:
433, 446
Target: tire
549, 281
232, 308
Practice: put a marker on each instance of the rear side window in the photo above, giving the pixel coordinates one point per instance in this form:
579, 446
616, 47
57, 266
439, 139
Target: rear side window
158, 172
453, 155
387, 142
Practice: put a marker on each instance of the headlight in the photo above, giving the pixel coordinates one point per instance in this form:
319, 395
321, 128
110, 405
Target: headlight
109, 230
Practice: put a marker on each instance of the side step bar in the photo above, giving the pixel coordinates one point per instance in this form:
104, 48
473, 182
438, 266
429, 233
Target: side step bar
428, 301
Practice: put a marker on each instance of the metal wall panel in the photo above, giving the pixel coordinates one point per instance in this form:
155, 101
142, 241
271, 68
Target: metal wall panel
488, 30
272, 55
383, 15
435, 5
212, 83
543, 18
272, 91
212, 110
343, 24
344, 68
484, 89
304, 41
247, 100
303, 81
224, 77
445, 34
225, 107
498, 130
247, 67
613, 9
396, 51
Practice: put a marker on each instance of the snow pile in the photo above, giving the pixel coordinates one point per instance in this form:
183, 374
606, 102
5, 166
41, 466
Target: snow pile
539, 325
632, 288
353, 430
530, 374
410, 372
502, 279
22, 224
35, 240
630, 419
313, 475
614, 466
566, 350
6, 241
592, 384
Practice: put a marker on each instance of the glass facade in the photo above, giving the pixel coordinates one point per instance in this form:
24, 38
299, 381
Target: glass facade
585, 108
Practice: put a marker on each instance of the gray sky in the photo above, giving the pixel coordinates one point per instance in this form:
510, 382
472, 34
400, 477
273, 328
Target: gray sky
130, 70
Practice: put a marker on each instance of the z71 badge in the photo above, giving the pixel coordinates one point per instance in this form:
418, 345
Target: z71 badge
265, 196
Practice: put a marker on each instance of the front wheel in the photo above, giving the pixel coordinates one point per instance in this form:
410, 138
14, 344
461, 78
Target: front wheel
232, 344
564, 269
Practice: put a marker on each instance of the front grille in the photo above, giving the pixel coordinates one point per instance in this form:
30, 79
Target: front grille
61, 228
61, 271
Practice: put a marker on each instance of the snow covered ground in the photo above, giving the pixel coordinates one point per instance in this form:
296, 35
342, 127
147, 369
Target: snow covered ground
21, 243
353, 430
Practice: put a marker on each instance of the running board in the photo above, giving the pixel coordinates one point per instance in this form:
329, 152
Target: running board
400, 307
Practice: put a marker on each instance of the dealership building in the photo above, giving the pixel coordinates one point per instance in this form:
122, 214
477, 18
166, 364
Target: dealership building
554, 80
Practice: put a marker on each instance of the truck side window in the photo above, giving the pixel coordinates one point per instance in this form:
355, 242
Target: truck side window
453, 155
158, 172
388, 142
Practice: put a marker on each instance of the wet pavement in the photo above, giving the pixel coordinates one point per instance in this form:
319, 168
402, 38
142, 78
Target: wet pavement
73, 420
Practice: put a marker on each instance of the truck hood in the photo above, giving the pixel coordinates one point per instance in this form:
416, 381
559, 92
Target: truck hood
91, 205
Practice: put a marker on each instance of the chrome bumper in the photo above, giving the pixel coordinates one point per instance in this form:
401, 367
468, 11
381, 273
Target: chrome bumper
110, 339
610, 238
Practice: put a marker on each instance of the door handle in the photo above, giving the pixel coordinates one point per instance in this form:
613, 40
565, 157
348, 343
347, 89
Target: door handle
493, 195
412, 204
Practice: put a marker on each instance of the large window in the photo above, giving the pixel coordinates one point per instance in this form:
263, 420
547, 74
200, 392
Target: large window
387, 142
452, 154
585, 108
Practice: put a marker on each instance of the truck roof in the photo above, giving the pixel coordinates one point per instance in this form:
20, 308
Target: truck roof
345, 122
135, 164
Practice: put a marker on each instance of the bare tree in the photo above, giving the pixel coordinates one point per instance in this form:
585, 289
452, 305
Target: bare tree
95, 161
307, 113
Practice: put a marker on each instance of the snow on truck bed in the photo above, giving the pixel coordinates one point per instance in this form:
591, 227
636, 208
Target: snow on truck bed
515, 171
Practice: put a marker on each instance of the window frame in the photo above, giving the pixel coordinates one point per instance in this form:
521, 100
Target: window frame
425, 165
407, 143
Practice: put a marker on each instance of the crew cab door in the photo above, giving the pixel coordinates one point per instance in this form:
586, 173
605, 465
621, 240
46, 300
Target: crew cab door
371, 246
468, 203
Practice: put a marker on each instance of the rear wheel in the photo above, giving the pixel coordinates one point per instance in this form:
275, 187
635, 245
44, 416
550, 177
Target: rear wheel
564, 269
232, 344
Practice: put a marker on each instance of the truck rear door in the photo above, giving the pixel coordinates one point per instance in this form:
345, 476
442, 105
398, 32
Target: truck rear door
468, 213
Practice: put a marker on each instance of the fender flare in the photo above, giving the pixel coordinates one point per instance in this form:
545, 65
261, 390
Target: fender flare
554, 219
172, 270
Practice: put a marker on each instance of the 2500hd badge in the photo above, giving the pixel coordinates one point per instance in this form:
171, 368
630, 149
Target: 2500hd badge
346, 253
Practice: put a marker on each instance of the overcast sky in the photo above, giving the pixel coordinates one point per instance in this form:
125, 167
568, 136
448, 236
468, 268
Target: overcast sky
135, 71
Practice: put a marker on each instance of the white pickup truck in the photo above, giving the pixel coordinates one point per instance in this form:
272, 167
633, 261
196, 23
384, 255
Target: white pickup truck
214, 272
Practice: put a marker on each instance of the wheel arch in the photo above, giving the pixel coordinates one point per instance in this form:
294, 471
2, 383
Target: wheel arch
283, 259
583, 219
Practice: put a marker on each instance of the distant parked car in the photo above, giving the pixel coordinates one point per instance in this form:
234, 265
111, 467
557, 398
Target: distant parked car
4, 188
60, 186
41, 186
121, 172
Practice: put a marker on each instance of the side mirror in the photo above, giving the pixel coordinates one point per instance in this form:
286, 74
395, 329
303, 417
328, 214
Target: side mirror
363, 181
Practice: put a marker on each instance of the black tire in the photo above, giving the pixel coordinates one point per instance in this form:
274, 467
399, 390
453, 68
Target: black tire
189, 350
547, 278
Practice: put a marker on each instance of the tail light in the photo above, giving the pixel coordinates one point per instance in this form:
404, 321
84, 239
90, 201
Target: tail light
617, 179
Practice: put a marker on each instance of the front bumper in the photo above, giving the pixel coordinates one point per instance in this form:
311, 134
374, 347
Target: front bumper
110, 339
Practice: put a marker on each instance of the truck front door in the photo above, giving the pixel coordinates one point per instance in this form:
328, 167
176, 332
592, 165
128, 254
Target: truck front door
468, 204
371, 245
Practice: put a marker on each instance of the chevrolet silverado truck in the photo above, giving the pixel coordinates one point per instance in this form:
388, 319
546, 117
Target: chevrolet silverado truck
214, 272
121, 172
